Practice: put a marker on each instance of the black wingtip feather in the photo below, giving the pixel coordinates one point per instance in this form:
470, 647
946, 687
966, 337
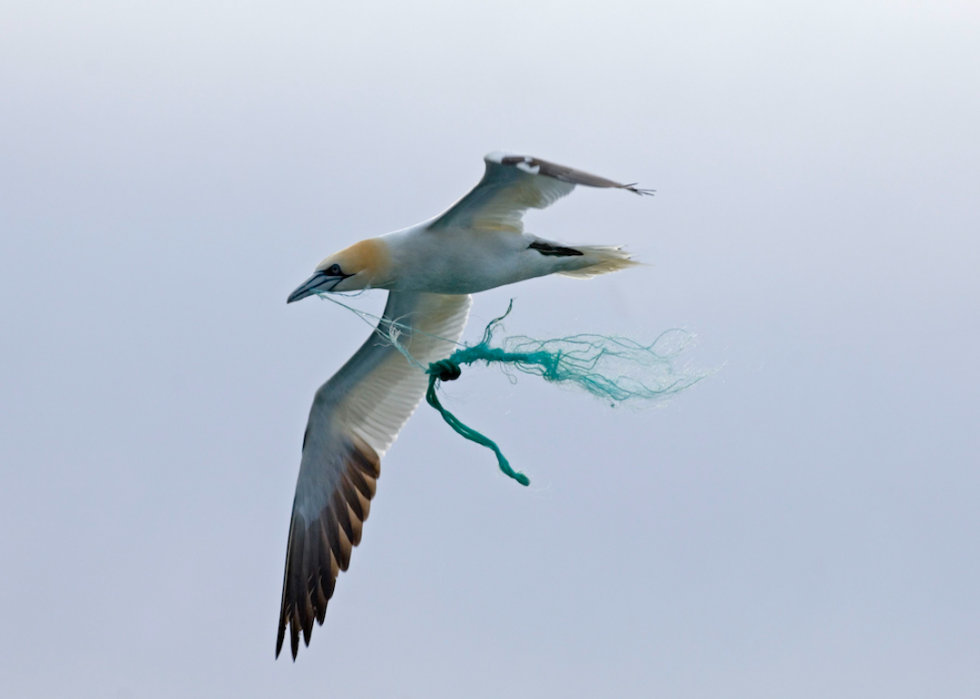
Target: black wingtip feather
638, 190
317, 551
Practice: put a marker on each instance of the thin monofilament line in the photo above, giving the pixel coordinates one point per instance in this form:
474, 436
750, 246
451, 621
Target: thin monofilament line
394, 328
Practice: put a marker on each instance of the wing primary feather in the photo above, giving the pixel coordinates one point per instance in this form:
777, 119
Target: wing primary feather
366, 460
301, 587
333, 534
294, 627
306, 598
285, 612
317, 595
339, 506
356, 525
365, 485
294, 581
353, 501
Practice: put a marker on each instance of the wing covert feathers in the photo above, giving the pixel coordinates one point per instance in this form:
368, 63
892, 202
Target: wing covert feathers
511, 185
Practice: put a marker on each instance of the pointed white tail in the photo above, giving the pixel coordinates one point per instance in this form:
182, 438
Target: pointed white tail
600, 259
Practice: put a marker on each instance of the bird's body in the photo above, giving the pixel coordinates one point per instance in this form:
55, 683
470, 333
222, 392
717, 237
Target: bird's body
462, 261
430, 270
467, 261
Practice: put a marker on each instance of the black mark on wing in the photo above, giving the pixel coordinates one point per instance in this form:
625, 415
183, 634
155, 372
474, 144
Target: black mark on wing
554, 250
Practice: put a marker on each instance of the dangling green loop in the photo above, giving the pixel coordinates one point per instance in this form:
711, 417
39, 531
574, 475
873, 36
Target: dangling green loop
437, 370
573, 360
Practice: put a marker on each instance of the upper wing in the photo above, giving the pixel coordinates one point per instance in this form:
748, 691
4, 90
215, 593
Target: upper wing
355, 417
511, 185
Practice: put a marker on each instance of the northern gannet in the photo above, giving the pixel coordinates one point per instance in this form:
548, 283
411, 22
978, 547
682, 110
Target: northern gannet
429, 270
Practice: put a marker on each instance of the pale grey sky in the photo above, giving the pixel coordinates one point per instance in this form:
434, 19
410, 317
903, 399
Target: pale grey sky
803, 524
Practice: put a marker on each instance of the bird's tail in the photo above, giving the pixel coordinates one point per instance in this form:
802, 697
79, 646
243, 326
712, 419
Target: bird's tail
599, 259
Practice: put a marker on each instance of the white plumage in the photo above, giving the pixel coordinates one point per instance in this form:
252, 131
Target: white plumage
430, 271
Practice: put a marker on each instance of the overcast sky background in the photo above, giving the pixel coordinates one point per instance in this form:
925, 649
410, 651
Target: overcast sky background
805, 523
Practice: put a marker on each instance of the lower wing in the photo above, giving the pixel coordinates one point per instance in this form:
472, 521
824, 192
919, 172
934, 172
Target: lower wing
355, 417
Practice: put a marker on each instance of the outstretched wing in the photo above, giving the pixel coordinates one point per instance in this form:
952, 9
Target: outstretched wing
511, 185
355, 417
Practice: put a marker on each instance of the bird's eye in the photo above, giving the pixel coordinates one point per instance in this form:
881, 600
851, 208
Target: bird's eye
334, 271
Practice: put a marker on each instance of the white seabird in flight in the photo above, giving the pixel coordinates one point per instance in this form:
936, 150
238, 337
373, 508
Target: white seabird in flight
429, 270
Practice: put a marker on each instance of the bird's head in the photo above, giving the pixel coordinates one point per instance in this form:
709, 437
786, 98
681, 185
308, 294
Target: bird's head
361, 266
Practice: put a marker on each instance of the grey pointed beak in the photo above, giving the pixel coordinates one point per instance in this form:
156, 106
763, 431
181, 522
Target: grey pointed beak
318, 282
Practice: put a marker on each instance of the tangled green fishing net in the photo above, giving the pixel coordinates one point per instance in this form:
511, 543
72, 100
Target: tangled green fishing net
616, 369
